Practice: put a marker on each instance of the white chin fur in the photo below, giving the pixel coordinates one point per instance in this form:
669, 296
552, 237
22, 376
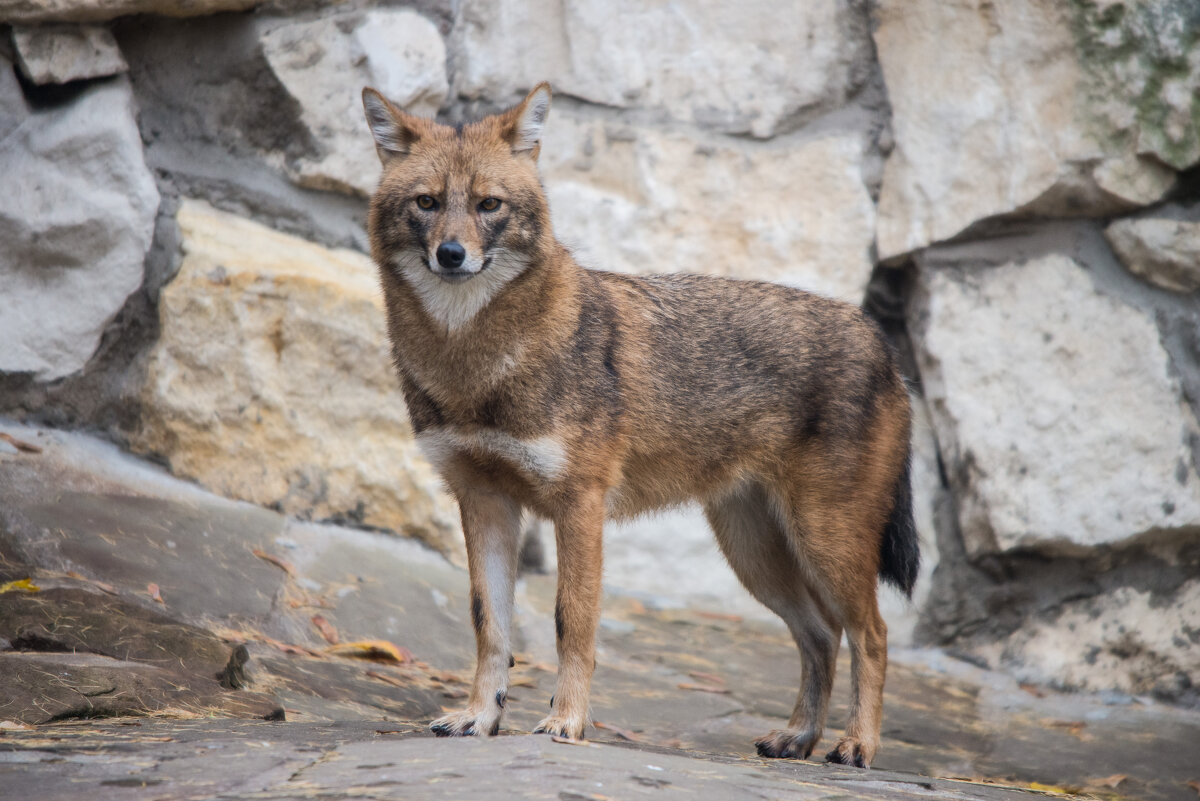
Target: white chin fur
454, 304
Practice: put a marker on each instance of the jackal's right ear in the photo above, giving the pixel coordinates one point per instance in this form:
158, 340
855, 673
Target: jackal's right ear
393, 130
527, 120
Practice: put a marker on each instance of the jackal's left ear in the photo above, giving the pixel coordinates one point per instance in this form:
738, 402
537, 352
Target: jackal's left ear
528, 119
394, 131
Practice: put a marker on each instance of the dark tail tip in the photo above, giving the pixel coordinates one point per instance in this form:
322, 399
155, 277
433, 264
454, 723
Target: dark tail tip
900, 552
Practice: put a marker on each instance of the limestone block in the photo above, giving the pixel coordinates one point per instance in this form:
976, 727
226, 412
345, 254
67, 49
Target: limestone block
1163, 251
324, 64
1128, 640
1033, 106
740, 68
36, 11
1059, 418
272, 382
639, 199
1142, 59
76, 219
62, 53
506, 47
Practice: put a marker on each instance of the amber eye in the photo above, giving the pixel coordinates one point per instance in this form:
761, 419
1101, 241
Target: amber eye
489, 204
426, 202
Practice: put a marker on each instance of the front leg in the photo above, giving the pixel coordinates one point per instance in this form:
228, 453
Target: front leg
491, 524
576, 613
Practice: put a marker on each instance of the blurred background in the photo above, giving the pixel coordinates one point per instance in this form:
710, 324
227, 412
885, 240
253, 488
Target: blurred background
1010, 188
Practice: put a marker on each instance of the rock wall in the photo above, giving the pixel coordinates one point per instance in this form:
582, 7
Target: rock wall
1012, 189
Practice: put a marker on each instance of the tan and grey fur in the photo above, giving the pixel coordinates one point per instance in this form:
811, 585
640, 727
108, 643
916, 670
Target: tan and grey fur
534, 384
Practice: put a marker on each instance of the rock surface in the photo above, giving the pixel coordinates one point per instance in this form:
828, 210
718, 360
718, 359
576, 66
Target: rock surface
1164, 251
38, 11
164, 581
355, 727
110, 657
271, 382
1059, 417
325, 64
1142, 61
1016, 85
76, 223
387, 761
62, 53
639, 199
1128, 640
749, 69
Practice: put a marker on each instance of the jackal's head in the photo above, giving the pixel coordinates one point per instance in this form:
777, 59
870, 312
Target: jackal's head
459, 211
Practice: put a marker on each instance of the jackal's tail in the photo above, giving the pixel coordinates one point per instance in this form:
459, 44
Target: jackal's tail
900, 554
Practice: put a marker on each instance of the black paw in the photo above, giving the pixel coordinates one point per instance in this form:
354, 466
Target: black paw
449, 730
560, 727
786, 745
845, 754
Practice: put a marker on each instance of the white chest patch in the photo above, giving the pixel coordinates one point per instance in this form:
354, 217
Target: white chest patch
544, 457
455, 305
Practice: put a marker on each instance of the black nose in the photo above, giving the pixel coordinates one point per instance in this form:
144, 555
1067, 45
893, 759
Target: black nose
451, 255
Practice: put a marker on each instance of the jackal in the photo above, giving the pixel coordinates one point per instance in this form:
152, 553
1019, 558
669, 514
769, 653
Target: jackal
533, 383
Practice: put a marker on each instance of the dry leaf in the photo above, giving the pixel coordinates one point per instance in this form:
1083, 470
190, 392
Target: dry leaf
1051, 788
282, 564
378, 650
100, 585
1072, 727
392, 680
711, 678
570, 741
20, 445
1195, 785
704, 688
624, 734
1111, 781
287, 648
720, 616
442, 675
454, 692
326, 628
1033, 690
152, 591
21, 585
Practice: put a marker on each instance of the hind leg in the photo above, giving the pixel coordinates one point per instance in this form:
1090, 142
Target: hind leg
757, 550
817, 638
840, 565
867, 634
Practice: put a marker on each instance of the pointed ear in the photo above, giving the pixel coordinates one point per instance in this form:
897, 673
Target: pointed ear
528, 120
394, 131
